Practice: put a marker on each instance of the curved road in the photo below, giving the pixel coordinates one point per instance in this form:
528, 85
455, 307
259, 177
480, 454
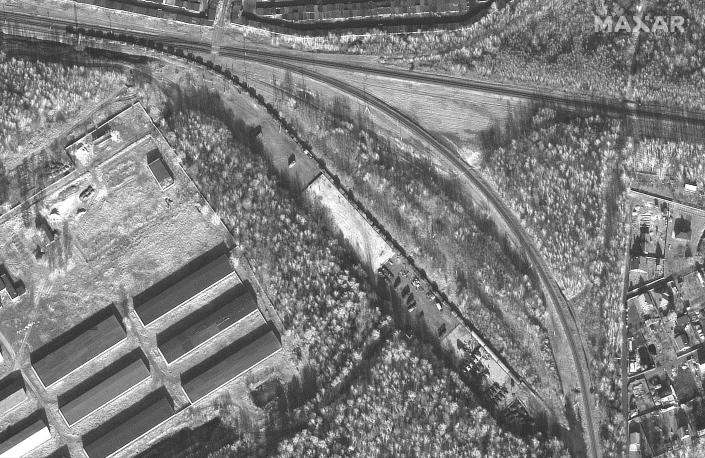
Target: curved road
555, 299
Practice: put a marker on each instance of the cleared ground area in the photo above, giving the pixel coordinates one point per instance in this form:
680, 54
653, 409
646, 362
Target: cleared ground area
187, 282
63, 452
24, 436
357, 230
77, 346
229, 362
12, 392
104, 386
128, 425
109, 231
116, 231
206, 322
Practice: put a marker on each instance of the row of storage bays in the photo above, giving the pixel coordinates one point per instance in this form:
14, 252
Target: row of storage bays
231, 319
189, 11
299, 10
121, 377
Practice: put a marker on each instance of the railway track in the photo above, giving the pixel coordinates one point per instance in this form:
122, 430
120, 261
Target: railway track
554, 297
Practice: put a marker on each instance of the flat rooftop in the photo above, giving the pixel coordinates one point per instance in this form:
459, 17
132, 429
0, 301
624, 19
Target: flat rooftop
104, 386
12, 391
184, 284
230, 362
128, 425
206, 322
24, 436
78, 345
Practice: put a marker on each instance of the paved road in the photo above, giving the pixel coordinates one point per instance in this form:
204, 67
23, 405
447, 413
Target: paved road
554, 297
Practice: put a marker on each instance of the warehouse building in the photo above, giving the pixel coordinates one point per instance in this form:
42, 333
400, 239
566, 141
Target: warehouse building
12, 392
232, 361
75, 347
207, 322
184, 284
24, 436
104, 386
128, 425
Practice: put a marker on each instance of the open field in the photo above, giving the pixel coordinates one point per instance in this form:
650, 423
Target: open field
116, 233
367, 243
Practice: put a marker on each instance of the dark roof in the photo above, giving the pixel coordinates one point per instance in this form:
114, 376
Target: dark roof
681, 227
78, 345
14, 289
229, 362
101, 132
22, 430
9, 386
206, 322
7, 283
44, 225
171, 292
128, 425
161, 172
104, 386
683, 320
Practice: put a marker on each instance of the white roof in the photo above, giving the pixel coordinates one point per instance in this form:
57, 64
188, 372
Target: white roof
29, 444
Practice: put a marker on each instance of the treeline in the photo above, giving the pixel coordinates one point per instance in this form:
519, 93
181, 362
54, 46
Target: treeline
530, 42
668, 66
565, 178
38, 95
432, 217
326, 300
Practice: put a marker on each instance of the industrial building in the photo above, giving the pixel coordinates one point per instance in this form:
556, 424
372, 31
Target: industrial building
104, 386
14, 288
128, 425
12, 392
24, 436
233, 360
75, 347
184, 284
192, 11
332, 10
206, 322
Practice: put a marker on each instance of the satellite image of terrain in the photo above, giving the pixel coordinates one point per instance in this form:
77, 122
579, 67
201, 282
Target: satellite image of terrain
346, 228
